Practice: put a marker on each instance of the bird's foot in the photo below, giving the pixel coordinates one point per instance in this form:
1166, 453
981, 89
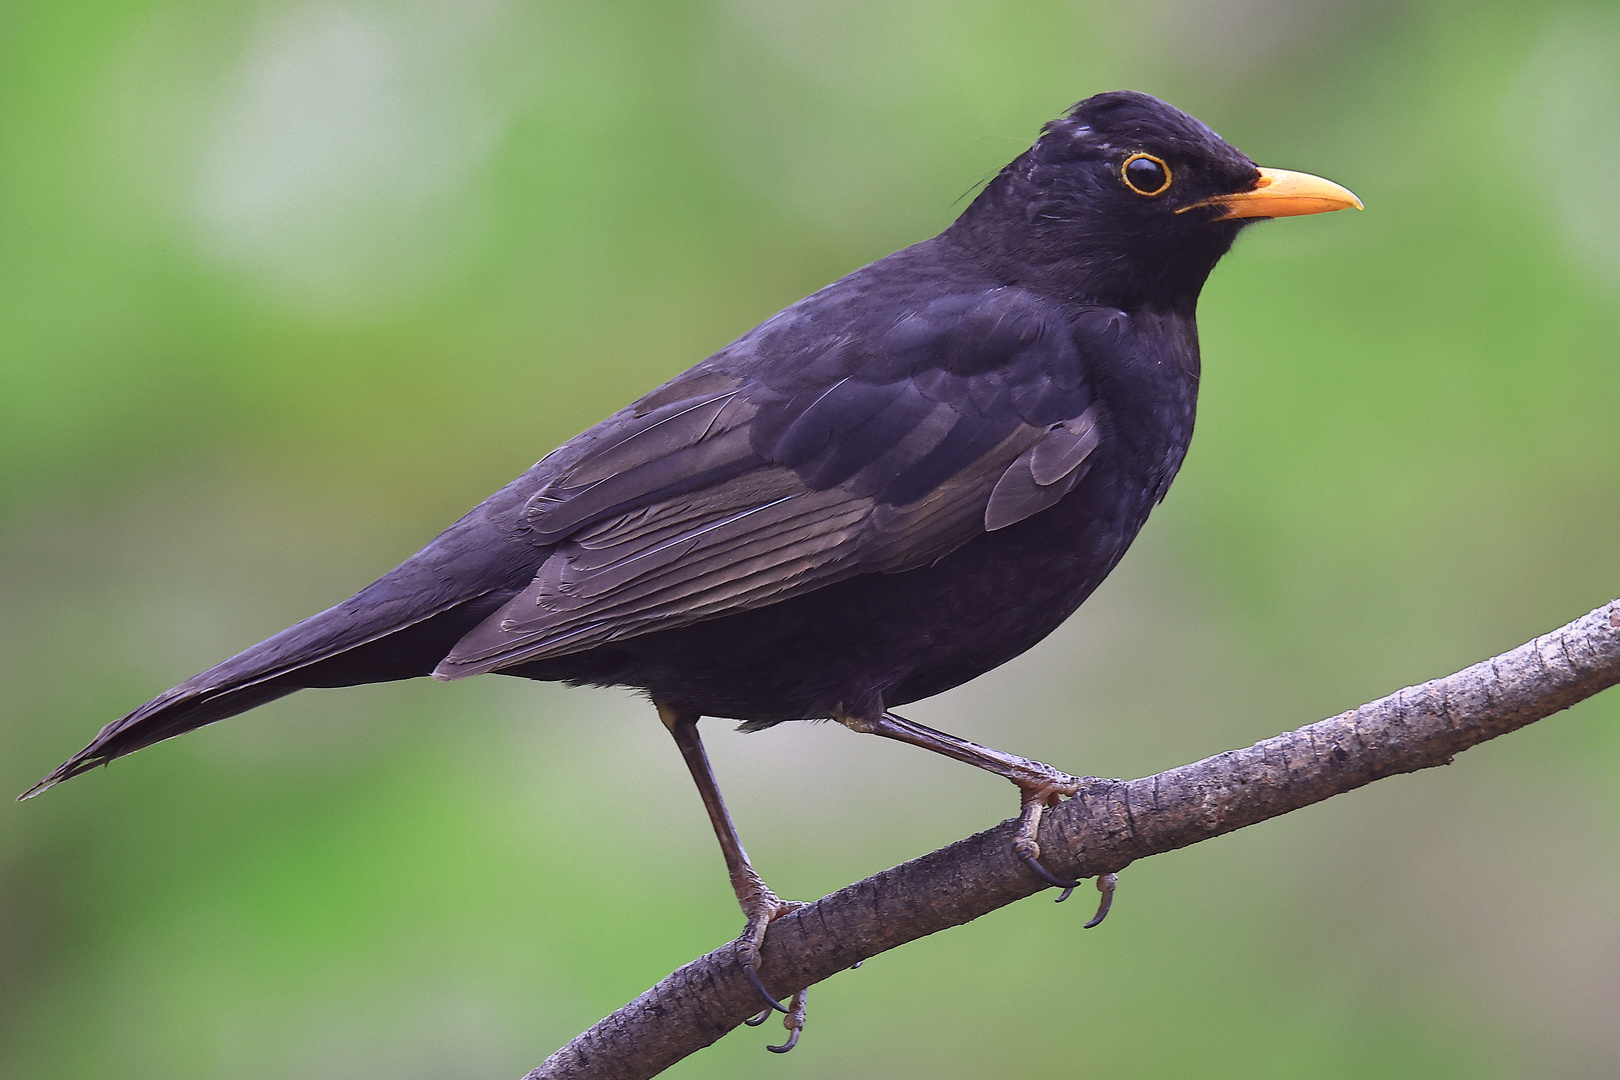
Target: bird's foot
1106, 883
1044, 786
763, 907
1039, 786
793, 1021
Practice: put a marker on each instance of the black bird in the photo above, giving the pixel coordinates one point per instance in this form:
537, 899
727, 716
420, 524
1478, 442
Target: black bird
889, 488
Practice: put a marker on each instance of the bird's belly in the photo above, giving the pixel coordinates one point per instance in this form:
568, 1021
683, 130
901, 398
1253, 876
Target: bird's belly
880, 640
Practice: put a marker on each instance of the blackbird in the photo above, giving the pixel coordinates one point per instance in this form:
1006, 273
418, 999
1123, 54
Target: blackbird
891, 487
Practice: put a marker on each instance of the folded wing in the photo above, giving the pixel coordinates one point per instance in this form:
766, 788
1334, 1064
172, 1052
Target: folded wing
741, 484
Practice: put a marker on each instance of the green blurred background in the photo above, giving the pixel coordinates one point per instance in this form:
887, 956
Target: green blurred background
287, 286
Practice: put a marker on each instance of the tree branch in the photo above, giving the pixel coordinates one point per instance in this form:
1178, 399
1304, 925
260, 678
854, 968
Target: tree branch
1108, 826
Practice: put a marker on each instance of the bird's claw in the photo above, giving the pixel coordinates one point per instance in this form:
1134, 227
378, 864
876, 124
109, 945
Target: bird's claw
793, 1021
764, 995
1047, 876
792, 1014
764, 907
1105, 885
1036, 797
1027, 848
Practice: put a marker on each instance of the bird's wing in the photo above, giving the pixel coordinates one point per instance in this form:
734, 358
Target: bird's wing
744, 483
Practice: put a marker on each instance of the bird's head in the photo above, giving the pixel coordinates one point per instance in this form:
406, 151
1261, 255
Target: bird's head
1129, 201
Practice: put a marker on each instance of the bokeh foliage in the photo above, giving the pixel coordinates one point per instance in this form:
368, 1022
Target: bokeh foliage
286, 286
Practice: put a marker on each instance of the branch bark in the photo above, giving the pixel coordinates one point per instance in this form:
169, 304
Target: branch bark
1104, 829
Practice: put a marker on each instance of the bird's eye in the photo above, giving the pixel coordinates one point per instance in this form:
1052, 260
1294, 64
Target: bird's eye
1145, 175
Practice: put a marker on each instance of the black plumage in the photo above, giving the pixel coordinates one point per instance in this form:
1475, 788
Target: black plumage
896, 484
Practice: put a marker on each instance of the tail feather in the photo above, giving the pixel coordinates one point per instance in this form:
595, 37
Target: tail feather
398, 627
333, 648
173, 713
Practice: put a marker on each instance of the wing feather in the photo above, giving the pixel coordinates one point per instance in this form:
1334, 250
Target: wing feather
972, 416
1044, 473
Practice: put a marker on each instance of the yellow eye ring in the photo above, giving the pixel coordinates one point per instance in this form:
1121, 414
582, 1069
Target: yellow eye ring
1150, 179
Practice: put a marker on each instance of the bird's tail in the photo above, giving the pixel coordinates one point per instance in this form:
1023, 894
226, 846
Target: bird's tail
371, 637
175, 712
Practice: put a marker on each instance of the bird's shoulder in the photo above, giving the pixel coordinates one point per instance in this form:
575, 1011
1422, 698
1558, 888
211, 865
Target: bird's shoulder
848, 383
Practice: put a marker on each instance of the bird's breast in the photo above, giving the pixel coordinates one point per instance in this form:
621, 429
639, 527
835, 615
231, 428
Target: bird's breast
1148, 390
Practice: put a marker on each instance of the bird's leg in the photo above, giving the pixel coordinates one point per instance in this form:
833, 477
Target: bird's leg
1039, 786
759, 904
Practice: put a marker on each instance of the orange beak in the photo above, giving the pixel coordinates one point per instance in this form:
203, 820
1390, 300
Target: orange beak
1280, 193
